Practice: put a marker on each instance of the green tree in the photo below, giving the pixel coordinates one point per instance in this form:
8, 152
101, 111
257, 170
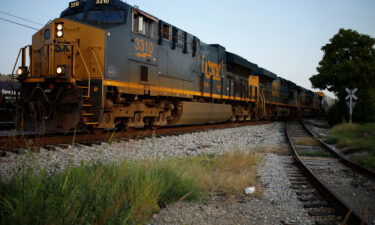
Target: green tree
349, 62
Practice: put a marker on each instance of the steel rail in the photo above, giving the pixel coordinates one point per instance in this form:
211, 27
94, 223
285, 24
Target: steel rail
8, 143
339, 205
341, 157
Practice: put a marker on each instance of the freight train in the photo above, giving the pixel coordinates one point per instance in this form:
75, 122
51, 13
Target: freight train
105, 64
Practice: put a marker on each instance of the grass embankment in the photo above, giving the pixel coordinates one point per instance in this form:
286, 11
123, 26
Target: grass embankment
359, 138
126, 193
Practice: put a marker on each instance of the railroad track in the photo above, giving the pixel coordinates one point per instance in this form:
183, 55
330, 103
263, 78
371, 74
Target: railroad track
12, 143
333, 188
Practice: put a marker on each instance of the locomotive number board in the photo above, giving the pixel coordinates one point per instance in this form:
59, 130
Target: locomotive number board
74, 4
102, 2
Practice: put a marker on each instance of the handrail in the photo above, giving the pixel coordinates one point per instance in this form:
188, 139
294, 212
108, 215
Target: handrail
97, 62
87, 69
15, 64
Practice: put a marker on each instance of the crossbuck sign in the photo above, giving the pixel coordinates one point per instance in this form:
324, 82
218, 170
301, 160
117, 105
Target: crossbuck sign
351, 104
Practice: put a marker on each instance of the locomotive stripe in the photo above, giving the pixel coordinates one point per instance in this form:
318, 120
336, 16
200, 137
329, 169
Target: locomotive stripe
172, 90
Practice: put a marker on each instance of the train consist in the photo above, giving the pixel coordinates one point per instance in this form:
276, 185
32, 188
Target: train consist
105, 64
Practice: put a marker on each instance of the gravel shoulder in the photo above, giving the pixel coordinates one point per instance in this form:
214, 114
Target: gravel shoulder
277, 205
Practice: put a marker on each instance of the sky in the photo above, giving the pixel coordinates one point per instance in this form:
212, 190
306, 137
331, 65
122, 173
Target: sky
284, 37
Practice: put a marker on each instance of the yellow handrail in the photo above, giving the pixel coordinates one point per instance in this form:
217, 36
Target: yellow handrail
87, 70
97, 62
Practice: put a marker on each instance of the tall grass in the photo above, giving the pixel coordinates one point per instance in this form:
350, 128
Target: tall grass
125, 193
360, 137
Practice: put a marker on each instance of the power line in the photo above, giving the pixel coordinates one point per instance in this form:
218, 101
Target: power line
21, 18
18, 24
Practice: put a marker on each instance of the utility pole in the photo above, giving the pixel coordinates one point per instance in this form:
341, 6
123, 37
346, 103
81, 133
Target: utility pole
351, 104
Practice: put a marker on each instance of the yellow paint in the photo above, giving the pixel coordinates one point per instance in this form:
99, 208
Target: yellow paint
254, 82
34, 80
211, 69
275, 88
171, 90
47, 54
143, 55
40, 80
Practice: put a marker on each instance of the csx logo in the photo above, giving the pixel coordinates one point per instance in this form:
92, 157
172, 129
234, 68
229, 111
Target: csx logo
212, 70
62, 48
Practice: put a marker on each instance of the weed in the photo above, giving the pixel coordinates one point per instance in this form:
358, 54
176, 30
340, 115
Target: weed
112, 137
357, 137
123, 193
330, 140
365, 160
314, 153
306, 141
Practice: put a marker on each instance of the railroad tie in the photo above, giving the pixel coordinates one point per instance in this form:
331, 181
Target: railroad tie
328, 211
316, 204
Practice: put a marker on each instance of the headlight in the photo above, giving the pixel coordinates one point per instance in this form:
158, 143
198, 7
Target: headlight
59, 33
60, 30
21, 71
60, 70
59, 27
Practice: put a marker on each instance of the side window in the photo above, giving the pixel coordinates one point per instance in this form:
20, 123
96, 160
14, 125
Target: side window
142, 25
166, 31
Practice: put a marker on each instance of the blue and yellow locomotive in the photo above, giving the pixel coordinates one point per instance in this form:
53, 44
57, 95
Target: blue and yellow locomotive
105, 64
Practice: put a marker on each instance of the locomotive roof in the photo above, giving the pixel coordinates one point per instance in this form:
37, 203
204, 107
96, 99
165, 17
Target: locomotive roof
236, 59
263, 72
84, 6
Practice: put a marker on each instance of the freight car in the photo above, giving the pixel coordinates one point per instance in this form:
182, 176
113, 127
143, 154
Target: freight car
105, 64
8, 94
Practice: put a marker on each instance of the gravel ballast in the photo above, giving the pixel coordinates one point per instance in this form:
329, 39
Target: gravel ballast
277, 204
209, 142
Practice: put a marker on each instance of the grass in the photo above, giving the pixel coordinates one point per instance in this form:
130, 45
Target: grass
124, 193
306, 141
360, 137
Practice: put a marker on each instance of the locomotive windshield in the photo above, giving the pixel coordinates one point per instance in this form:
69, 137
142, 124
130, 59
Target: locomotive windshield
100, 12
116, 16
77, 16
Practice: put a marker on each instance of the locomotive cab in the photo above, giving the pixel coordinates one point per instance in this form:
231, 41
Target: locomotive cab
62, 86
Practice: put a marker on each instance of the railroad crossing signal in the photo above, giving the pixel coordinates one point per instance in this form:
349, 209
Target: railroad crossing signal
351, 104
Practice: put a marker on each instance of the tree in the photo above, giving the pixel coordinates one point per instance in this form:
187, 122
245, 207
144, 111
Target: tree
349, 62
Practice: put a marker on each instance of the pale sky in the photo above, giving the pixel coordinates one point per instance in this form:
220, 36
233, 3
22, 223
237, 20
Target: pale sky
284, 37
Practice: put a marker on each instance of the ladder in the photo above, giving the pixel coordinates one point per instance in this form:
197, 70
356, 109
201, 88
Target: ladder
88, 108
